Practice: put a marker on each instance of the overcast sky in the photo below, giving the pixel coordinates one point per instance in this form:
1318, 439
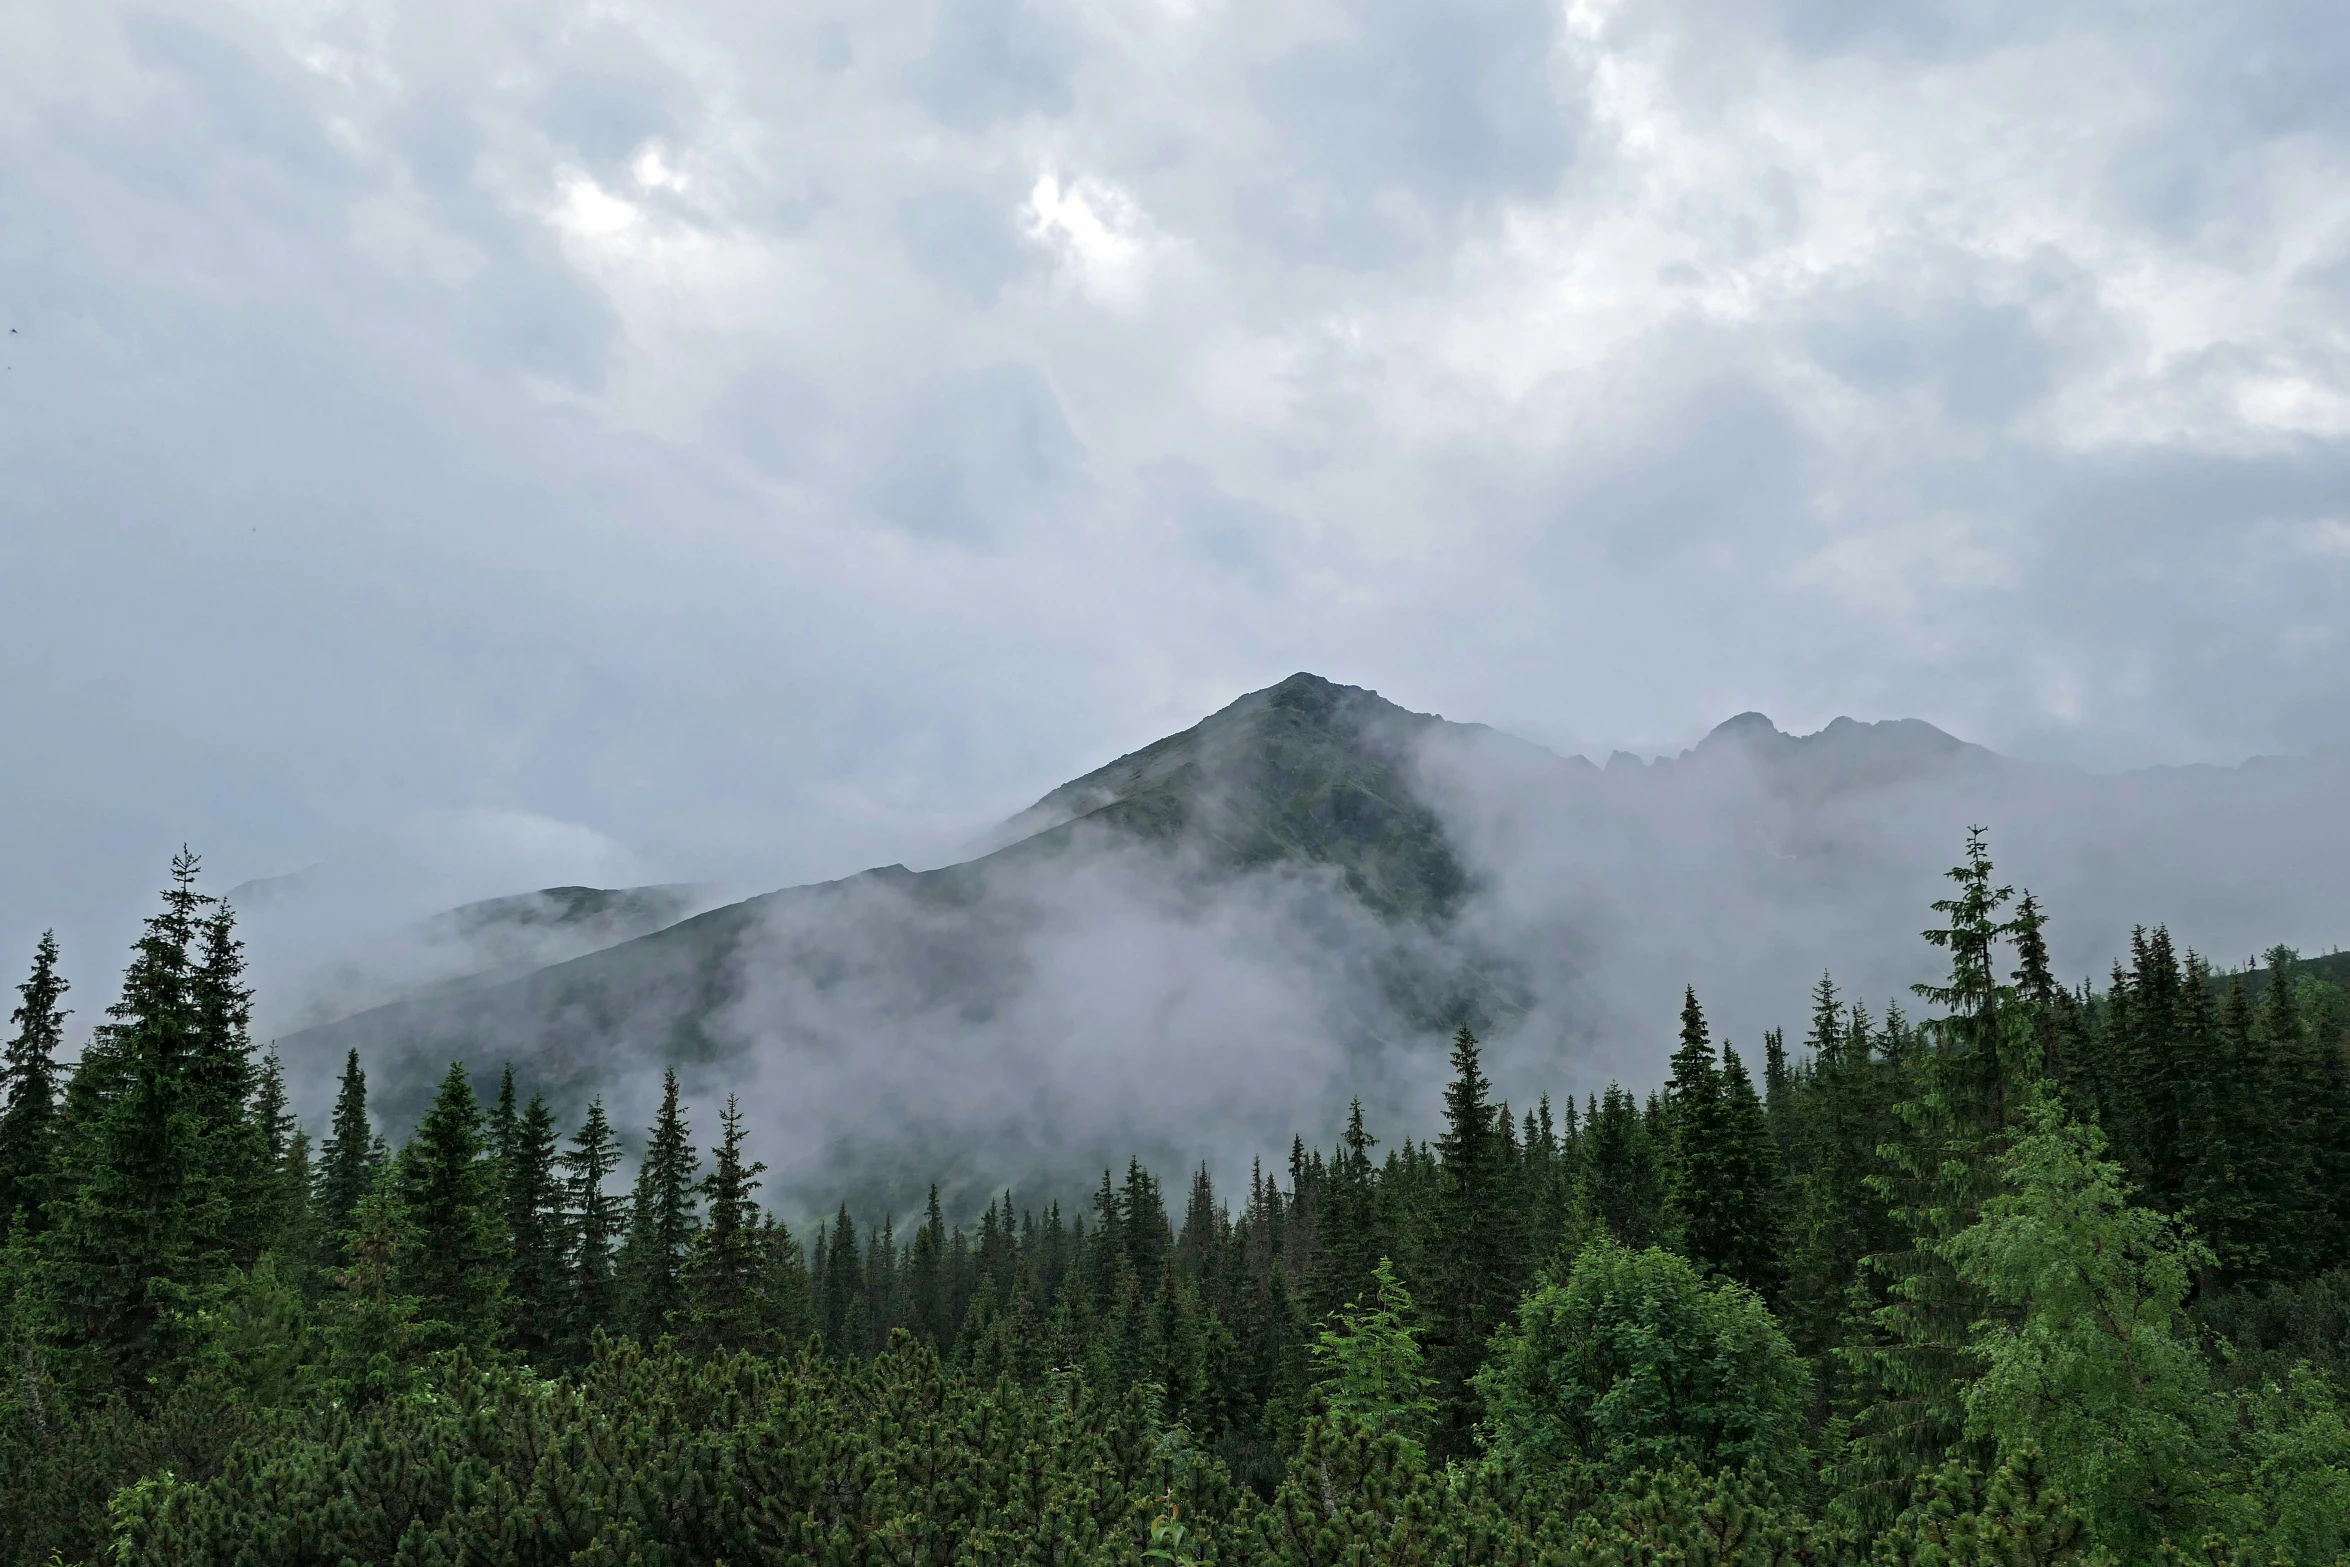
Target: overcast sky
526, 441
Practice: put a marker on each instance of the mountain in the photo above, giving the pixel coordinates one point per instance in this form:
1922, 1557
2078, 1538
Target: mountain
1223, 935
472, 947
1305, 776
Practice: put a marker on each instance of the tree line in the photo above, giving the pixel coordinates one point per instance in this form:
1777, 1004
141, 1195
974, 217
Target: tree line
2048, 1273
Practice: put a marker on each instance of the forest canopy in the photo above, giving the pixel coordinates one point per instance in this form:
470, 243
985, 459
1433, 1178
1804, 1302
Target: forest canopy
2041, 1274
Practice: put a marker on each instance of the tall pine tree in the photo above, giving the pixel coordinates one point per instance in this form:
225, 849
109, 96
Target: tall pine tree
1751, 1159
446, 1182
346, 1162
726, 1274
136, 1246
1961, 1096
28, 1091
1622, 1190
538, 1286
661, 1221
1476, 1252
592, 1226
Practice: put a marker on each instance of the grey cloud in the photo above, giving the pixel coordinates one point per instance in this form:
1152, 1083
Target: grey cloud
1380, 340
607, 97
1246, 540
977, 454
969, 239
235, 102
1457, 105
527, 311
996, 59
1985, 348
1654, 508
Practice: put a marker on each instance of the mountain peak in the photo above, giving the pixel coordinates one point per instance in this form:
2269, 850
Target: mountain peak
1746, 726
1308, 771
1847, 754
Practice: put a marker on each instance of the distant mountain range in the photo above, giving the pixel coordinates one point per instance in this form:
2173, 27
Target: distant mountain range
1214, 940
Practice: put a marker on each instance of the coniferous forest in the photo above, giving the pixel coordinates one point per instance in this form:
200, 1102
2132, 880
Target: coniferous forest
2012, 1272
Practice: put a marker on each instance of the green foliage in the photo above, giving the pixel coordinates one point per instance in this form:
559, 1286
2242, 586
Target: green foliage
2295, 1459
211, 1351
1958, 1518
1476, 1248
1723, 1174
346, 1165
1622, 1190
1952, 1107
1683, 1514
1635, 1361
1371, 1365
661, 1221
591, 1227
370, 1347
28, 1090
661, 1457
129, 1245
452, 1257
735, 1298
538, 1285
2100, 1373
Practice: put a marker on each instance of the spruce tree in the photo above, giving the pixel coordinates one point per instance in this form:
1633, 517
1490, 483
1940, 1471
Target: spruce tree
132, 1251
2156, 1063
347, 1162
928, 1289
1147, 1233
661, 1221
1476, 1253
1622, 1192
538, 1286
28, 1091
1962, 1094
1840, 1218
505, 1116
454, 1264
2264, 1183
787, 1300
1352, 1241
280, 1218
1780, 1094
592, 1224
1201, 1240
2319, 1123
1751, 1252
297, 1240
1106, 1248
726, 1275
221, 1072
223, 1078
841, 1291
1699, 1172
367, 1324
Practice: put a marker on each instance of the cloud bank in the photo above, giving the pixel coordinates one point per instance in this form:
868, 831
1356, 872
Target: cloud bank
763, 442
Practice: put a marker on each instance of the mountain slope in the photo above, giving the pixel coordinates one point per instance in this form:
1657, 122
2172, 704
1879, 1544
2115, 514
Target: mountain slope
1305, 776
1222, 936
471, 947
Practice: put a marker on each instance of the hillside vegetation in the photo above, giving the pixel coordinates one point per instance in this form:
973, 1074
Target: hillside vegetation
2037, 1275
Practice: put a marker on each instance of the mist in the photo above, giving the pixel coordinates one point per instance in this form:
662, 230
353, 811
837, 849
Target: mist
1207, 949
1751, 865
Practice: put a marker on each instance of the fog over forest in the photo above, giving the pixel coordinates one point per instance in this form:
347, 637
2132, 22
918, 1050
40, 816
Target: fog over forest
1204, 949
